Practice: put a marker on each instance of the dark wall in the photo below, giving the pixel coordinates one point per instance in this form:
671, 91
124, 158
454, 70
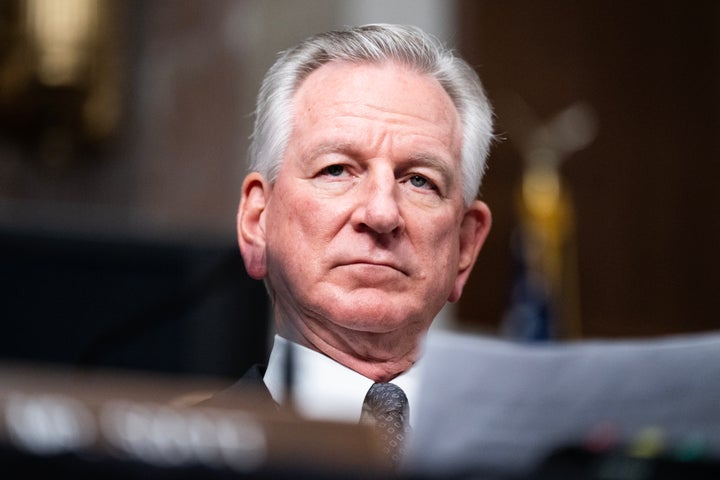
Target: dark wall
163, 306
645, 192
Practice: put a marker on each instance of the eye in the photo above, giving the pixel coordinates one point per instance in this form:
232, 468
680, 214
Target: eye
334, 170
418, 181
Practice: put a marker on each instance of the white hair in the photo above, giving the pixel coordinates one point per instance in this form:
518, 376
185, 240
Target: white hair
376, 43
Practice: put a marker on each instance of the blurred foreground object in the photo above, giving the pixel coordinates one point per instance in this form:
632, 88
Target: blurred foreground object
618, 410
523, 407
73, 425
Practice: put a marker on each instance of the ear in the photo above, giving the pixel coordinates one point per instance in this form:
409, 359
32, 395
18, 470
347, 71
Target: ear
474, 228
251, 224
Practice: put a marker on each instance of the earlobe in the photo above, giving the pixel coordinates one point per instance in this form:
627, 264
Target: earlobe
474, 230
251, 224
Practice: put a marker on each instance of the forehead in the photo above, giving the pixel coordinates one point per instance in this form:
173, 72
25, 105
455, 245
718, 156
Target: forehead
388, 94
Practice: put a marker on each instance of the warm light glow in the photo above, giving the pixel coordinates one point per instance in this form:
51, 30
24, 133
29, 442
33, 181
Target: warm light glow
541, 191
61, 31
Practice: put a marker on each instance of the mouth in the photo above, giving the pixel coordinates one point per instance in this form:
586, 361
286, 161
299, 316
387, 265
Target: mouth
372, 265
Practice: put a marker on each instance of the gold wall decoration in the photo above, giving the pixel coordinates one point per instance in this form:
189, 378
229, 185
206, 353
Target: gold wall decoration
546, 300
60, 76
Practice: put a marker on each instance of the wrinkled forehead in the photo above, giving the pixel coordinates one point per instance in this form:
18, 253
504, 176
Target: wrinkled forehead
389, 91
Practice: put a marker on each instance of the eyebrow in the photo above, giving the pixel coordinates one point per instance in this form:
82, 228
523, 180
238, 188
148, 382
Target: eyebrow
422, 159
341, 147
435, 163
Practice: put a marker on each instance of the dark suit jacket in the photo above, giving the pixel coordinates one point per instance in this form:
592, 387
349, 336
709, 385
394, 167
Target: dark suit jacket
252, 380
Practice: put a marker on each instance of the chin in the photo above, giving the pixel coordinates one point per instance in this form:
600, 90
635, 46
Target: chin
375, 319
371, 311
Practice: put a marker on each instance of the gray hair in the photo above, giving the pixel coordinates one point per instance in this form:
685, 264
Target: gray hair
406, 45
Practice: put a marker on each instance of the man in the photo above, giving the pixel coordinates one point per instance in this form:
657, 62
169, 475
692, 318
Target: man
360, 211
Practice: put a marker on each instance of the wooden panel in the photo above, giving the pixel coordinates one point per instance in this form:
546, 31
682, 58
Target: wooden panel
646, 190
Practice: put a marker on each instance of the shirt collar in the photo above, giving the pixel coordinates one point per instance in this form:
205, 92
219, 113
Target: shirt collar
322, 388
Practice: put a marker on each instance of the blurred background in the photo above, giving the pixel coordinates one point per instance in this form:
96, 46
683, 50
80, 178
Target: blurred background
124, 126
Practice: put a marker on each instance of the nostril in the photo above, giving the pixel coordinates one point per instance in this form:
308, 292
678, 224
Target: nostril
383, 220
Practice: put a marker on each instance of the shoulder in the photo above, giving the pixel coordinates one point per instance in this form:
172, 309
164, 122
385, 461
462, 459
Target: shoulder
254, 374
250, 384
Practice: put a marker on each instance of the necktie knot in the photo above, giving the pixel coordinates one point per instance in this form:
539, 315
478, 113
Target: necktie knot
386, 407
385, 398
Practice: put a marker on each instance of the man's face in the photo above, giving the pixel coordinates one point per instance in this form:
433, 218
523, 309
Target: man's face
365, 229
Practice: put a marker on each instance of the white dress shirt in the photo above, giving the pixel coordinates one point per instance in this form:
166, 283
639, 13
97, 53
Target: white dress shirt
324, 389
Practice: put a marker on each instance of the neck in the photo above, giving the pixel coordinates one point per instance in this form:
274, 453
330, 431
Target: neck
377, 356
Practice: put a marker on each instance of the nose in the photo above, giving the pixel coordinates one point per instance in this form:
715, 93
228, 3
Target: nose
377, 208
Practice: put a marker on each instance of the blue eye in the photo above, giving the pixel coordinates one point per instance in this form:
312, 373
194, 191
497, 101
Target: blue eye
419, 181
334, 170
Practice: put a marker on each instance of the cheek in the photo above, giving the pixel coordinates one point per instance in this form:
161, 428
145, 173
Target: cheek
441, 245
297, 227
